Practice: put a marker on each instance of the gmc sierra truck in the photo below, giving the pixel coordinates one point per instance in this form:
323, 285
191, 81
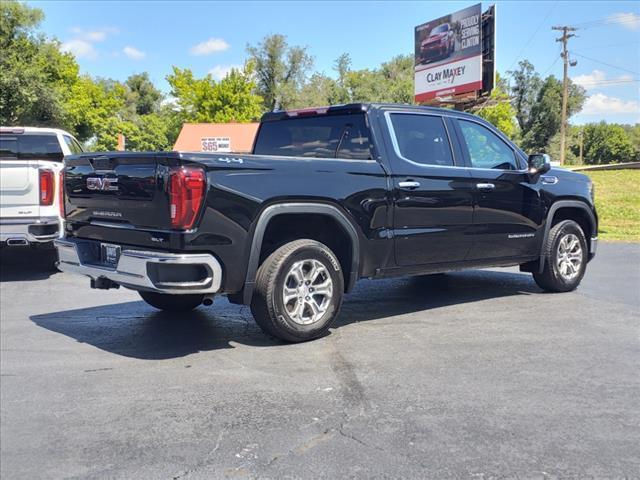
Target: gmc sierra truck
328, 196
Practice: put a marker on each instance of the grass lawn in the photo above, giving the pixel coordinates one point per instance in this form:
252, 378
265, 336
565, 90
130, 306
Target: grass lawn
618, 204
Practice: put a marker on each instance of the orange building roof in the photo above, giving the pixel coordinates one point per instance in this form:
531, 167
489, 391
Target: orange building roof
241, 136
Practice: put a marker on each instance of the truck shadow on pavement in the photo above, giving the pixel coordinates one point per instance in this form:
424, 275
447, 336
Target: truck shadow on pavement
136, 330
20, 264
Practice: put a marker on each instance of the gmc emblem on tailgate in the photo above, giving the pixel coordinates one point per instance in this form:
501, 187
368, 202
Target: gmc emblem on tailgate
103, 184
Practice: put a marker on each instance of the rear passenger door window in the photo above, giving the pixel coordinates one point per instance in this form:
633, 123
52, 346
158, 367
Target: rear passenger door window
316, 136
73, 145
422, 139
486, 149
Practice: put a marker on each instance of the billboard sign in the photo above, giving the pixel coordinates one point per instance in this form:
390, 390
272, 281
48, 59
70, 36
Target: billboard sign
448, 55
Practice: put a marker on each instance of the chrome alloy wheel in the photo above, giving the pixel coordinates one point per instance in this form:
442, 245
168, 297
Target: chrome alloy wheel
569, 257
307, 291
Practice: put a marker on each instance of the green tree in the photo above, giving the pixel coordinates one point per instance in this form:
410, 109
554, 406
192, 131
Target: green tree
320, 90
365, 85
342, 66
144, 133
35, 77
524, 92
397, 77
633, 131
546, 113
606, 143
205, 100
281, 70
91, 103
572, 153
144, 94
498, 110
391, 82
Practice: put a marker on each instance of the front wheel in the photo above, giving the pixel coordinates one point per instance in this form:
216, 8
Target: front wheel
298, 291
172, 303
565, 258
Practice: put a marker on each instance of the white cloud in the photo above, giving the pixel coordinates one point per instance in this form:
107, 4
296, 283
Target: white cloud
601, 104
82, 45
213, 45
97, 36
628, 20
599, 79
220, 71
80, 48
133, 53
169, 100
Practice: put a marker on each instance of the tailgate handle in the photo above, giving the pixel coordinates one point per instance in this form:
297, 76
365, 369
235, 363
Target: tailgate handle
102, 164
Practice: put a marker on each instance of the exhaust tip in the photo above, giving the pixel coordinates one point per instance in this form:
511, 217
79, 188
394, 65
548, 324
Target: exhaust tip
15, 242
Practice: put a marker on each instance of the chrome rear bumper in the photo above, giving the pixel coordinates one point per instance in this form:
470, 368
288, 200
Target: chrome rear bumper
143, 270
22, 231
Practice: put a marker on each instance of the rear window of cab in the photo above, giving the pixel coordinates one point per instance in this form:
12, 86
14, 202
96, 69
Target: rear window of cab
30, 147
321, 136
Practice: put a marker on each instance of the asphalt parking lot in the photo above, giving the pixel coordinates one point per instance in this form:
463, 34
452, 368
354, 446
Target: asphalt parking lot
468, 375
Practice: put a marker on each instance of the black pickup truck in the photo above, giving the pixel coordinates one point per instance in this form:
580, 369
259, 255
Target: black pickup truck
328, 196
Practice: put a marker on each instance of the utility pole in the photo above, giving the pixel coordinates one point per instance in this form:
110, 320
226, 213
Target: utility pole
565, 84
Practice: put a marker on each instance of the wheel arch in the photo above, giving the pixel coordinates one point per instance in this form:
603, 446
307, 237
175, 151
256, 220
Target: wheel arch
271, 212
562, 210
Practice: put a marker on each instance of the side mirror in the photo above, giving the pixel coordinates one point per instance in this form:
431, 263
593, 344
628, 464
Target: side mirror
539, 163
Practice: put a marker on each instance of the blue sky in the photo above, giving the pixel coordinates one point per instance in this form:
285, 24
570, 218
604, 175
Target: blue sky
115, 39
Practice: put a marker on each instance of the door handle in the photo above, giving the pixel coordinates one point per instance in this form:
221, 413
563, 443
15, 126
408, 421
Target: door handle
485, 187
409, 185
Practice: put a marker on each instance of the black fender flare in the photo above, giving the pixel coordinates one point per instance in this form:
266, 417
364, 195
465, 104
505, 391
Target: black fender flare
298, 207
547, 227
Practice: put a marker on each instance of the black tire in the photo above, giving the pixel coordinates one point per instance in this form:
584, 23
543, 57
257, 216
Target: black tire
271, 313
172, 303
552, 279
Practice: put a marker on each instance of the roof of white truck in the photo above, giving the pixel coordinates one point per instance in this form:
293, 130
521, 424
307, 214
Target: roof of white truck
19, 130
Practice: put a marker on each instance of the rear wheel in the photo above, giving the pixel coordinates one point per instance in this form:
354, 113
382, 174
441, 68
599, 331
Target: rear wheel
172, 303
565, 258
298, 291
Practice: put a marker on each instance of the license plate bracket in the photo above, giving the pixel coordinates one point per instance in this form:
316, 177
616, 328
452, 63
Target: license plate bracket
110, 254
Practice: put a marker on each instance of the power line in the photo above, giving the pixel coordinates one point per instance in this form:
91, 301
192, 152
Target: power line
605, 82
551, 66
605, 21
519, 55
626, 22
594, 47
604, 63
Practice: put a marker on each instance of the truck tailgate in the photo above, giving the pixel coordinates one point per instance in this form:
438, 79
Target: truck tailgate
19, 189
118, 189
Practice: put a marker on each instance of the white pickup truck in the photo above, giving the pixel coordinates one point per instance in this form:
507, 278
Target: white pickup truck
30, 184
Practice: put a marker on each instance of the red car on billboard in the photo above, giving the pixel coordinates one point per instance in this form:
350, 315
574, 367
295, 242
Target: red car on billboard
439, 44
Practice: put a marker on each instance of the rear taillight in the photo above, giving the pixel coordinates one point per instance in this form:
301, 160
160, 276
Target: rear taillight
187, 187
61, 193
47, 187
